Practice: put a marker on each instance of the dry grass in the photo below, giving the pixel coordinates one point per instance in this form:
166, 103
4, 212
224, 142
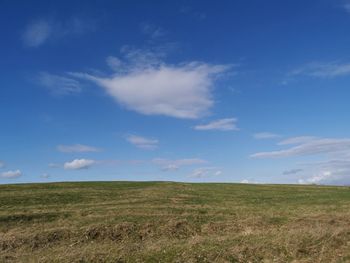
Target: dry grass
173, 222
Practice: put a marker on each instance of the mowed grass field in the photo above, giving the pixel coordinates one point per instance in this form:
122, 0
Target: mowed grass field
173, 222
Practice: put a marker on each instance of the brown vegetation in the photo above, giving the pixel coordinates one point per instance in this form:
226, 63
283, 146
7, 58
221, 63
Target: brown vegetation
169, 222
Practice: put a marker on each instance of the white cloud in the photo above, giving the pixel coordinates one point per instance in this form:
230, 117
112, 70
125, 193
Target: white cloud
323, 69
2, 164
228, 124
37, 33
205, 172
333, 168
58, 85
316, 179
265, 135
41, 31
142, 142
145, 84
309, 147
77, 148
245, 181
334, 171
174, 165
11, 174
79, 164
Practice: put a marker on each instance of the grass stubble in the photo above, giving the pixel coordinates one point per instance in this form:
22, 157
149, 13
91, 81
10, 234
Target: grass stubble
173, 222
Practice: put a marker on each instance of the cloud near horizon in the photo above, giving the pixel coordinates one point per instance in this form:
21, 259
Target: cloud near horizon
11, 174
334, 169
144, 83
246, 181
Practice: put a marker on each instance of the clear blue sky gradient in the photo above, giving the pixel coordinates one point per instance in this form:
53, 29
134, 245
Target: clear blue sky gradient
286, 73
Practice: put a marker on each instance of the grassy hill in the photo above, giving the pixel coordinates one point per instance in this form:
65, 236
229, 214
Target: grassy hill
173, 222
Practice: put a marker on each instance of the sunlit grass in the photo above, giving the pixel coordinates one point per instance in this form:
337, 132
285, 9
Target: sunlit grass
173, 222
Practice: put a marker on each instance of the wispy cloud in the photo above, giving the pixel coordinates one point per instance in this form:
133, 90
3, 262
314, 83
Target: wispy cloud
114, 63
346, 6
59, 85
334, 167
323, 70
310, 147
2, 164
265, 135
170, 167
142, 142
77, 148
174, 165
11, 174
151, 30
297, 140
144, 83
205, 172
37, 33
192, 12
54, 165
40, 31
229, 124
78, 164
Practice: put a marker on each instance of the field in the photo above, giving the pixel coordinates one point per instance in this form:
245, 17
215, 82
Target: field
173, 222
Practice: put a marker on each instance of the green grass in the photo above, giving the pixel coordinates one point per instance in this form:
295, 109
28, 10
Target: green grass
173, 222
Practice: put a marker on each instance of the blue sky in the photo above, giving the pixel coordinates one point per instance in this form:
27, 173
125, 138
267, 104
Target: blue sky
235, 91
